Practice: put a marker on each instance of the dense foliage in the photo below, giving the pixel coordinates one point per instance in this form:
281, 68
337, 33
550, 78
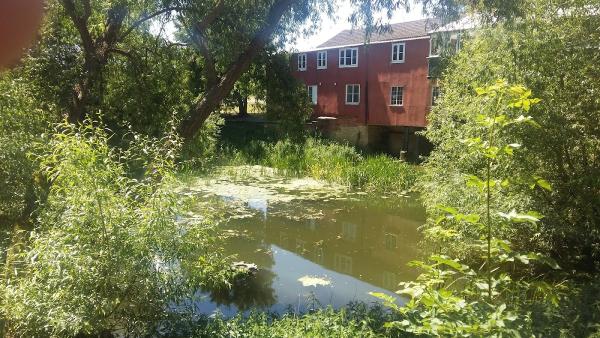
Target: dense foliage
92, 240
493, 299
107, 252
357, 320
551, 54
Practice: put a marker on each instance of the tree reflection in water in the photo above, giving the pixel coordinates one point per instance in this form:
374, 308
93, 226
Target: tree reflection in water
248, 291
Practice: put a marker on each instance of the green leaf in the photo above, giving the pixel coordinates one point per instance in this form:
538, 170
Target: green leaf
449, 210
447, 261
542, 183
474, 181
469, 218
383, 296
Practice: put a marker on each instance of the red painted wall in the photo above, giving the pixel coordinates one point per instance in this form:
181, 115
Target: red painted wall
382, 74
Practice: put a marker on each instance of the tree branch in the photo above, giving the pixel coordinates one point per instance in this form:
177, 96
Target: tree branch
147, 17
80, 23
215, 95
199, 39
121, 52
211, 16
210, 69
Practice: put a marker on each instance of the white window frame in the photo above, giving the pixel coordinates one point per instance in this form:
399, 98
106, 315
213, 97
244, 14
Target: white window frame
395, 57
322, 60
344, 52
313, 94
302, 62
397, 104
352, 103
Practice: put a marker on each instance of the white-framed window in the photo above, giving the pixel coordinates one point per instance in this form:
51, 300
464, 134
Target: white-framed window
353, 94
302, 62
348, 57
322, 60
397, 96
312, 94
435, 94
398, 52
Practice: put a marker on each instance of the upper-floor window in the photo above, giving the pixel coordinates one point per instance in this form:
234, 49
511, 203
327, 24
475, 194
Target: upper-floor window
398, 52
435, 94
352, 94
349, 57
397, 96
322, 60
302, 62
312, 94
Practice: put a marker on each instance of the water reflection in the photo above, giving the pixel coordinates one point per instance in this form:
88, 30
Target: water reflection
360, 245
248, 292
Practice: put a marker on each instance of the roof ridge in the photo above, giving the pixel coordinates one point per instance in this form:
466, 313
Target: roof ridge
351, 36
390, 24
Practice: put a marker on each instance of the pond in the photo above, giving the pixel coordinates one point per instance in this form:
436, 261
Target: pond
315, 244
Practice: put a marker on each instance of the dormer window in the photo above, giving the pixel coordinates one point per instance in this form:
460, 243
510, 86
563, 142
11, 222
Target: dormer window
398, 52
322, 60
348, 57
302, 62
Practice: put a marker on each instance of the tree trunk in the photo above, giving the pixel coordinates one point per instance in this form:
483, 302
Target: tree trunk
242, 106
96, 55
215, 95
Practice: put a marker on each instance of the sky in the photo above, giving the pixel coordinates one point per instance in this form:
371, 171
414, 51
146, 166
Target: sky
329, 28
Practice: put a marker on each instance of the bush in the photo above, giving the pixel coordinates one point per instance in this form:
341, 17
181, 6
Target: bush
107, 252
564, 151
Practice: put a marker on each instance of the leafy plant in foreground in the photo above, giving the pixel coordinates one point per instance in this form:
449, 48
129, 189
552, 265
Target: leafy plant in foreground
107, 253
452, 298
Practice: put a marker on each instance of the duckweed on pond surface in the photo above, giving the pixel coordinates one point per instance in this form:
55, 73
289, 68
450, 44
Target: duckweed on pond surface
315, 243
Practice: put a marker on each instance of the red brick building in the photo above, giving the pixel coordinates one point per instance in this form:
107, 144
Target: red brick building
371, 94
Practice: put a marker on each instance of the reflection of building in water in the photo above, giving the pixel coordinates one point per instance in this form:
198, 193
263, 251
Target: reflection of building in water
342, 263
372, 246
389, 280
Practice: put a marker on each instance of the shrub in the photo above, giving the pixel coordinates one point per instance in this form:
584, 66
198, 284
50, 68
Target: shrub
451, 298
107, 253
564, 151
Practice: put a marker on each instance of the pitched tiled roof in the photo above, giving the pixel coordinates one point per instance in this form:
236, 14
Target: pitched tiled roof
398, 31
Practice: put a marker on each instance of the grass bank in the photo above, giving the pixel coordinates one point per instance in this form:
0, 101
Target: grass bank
325, 160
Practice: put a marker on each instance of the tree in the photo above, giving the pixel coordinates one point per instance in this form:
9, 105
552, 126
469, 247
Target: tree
101, 26
237, 26
528, 51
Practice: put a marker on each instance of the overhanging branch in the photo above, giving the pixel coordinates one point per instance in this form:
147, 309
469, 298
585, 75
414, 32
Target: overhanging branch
147, 17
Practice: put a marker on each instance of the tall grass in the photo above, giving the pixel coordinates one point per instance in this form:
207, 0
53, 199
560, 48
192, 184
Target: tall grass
329, 161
